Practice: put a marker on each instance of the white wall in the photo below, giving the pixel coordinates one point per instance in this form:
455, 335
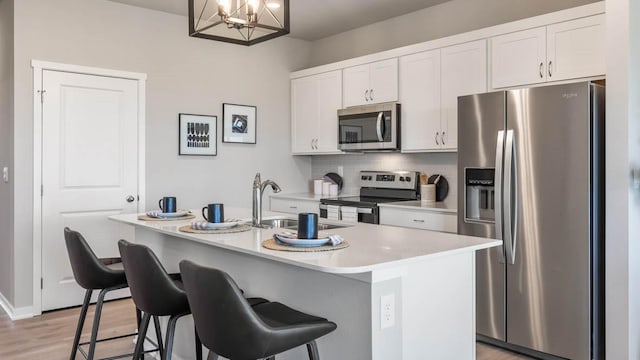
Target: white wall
623, 201
449, 18
184, 75
6, 151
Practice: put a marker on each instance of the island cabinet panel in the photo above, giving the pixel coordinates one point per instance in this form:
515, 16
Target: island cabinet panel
519, 58
567, 50
371, 83
419, 219
420, 101
315, 101
463, 72
294, 206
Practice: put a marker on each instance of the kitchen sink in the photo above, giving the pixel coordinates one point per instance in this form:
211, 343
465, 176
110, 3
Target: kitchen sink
292, 224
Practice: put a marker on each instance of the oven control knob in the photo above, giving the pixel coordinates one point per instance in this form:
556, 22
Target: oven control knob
369, 177
401, 179
407, 178
363, 177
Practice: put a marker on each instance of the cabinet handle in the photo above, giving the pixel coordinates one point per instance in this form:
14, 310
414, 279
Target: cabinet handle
316, 144
550, 63
293, 207
437, 134
541, 70
366, 95
418, 220
443, 137
371, 94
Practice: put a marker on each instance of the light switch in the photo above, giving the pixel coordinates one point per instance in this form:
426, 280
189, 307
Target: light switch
5, 174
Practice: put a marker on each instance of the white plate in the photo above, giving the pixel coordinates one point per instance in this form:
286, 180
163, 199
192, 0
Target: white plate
224, 225
176, 214
303, 242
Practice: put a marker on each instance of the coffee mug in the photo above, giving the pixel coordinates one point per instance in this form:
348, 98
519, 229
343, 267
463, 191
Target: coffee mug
307, 226
215, 213
168, 204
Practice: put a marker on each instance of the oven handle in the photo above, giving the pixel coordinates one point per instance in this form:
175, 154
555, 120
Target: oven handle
379, 125
360, 210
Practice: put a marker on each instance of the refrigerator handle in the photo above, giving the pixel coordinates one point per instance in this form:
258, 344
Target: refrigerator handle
510, 201
498, 192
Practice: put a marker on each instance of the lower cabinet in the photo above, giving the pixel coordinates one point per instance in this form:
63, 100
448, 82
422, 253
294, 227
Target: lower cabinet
294, 206
419, 219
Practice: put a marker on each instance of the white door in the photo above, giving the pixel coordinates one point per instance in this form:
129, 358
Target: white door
576, 48
304, 102
89, 169
519, 58
384, 81
420, 99
355, 84
464, 72
329, 101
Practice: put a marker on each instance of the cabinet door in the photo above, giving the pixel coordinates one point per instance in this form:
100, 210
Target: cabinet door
304, 115
464, 72
519, 58
420, 101
576, 48
329, 101
384, 81
356, 85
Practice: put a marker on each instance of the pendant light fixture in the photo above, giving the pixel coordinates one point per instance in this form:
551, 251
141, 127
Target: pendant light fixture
244, 22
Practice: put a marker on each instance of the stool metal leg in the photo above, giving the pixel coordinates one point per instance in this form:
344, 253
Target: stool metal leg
96, 324
81, 319
312, 349
156, 324
171, 330
142, 332
198, 344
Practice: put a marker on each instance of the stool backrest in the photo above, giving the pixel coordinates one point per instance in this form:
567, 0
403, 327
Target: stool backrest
152, 289
224, 320
88, 270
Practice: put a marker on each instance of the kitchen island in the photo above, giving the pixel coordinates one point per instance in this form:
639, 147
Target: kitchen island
395, 293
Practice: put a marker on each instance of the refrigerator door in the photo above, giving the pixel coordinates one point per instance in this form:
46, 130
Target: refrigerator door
480, 119
548, 284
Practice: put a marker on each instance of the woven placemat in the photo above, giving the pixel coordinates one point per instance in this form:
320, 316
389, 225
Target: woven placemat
235, 229
273, 245
149, 218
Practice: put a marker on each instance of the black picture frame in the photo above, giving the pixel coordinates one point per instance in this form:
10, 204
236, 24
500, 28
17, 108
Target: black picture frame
197, 134
239, 123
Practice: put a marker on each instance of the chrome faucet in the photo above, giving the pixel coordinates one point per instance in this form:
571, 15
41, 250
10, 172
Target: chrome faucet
258, 190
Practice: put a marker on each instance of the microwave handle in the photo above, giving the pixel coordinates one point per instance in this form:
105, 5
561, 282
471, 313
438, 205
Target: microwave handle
379, 125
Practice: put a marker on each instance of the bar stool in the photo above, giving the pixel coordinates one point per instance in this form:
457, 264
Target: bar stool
93, 273
229, 326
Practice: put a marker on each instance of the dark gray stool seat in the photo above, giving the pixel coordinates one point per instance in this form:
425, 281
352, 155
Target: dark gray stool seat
229, 326
93, 273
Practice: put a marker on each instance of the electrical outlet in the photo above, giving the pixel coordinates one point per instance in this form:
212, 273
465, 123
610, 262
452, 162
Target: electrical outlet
341, 170
5, 174
387, 311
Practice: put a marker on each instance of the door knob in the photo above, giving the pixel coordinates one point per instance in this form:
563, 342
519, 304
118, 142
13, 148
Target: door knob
130, 199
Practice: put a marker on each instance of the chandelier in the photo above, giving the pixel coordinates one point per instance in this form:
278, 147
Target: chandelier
244, 22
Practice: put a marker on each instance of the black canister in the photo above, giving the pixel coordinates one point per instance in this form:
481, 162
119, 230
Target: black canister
307, 226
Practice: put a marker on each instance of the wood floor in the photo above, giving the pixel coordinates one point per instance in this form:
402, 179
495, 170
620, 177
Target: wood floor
50, 336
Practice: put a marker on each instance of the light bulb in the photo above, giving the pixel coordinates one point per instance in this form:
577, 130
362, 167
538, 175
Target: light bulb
252, 6
224, 6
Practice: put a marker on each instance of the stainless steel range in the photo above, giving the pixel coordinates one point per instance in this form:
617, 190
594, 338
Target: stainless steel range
375, 187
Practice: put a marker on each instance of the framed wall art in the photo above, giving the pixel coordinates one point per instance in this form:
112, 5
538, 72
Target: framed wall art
239, 123
197, 134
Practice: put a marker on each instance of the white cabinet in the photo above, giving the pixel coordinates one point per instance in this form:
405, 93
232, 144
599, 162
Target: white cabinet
291, 206
315, 101
419, 219
419, 84
567, 50
463, 72
371, 83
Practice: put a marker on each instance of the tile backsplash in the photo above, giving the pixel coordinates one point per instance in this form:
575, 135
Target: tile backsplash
445, 164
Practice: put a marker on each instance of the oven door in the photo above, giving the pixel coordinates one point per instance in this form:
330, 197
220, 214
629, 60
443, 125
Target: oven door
372, 127
367, 215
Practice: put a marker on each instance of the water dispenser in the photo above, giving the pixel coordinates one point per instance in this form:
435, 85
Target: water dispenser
479, 194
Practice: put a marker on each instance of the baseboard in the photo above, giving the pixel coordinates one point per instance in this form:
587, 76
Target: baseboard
15, 313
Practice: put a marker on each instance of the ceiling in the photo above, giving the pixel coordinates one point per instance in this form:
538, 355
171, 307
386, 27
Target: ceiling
317, 19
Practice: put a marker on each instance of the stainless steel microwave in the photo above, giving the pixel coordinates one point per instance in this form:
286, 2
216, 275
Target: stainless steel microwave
369, 128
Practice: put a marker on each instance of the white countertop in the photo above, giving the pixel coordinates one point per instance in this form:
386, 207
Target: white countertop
372, 247
421, 205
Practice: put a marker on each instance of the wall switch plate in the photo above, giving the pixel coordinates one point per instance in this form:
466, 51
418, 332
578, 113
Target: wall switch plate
387, 311
341, 170
5, 174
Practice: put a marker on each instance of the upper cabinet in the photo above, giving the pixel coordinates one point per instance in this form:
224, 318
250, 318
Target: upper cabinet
463, 72
371, 83
562, 51
315, 101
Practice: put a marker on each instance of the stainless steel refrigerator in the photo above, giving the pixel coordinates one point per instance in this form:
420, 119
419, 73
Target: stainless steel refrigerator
531, 173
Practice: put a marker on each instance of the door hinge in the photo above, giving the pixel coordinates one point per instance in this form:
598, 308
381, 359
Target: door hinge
41, 190
41, 92
41, 283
